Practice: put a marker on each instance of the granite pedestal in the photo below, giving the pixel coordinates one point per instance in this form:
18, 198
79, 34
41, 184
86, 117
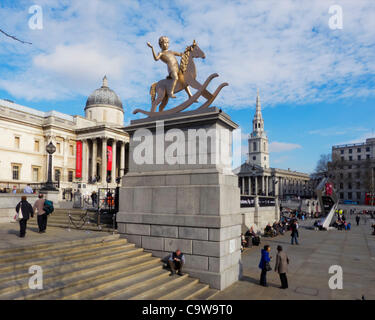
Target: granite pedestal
190, 200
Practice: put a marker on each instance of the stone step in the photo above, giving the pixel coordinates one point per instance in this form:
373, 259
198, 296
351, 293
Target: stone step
91, 227
72, 277
130, 255
206, 295
52, 251
21, 249
82, 289
67, 258
171, 286
129, 288
98, 267
187, 292
142, 290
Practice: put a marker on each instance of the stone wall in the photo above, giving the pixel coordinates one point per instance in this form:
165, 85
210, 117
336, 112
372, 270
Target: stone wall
258, 217
8, 203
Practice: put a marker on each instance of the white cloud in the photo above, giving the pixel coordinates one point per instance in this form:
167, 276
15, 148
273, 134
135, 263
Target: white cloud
283, 146
360, 139
284, 48
336, 131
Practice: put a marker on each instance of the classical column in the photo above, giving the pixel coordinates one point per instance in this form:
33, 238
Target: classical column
122, 159
94, 158
113, 175
263, 185
84, 160
266, 177
104, 160
250, 190
243, 185
66, 153
256, 185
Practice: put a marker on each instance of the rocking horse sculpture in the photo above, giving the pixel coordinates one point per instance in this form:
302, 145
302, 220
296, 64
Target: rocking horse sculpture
180, 78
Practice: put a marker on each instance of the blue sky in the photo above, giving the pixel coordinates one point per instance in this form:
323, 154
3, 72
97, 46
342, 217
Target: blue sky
316, 84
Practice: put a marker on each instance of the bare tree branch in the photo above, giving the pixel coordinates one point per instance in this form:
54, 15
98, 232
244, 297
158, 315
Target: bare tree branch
14, 38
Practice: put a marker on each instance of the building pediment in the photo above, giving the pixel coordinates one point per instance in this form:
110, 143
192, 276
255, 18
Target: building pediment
251, 169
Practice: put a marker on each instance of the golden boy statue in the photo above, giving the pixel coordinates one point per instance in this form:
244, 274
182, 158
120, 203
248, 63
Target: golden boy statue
169, 57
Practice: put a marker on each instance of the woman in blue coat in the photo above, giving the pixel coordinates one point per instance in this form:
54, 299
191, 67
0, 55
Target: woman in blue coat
265, 258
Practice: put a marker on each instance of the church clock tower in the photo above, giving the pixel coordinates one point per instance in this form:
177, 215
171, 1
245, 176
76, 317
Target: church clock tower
258, 141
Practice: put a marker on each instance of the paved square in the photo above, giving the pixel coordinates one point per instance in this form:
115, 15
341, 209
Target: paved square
308, 273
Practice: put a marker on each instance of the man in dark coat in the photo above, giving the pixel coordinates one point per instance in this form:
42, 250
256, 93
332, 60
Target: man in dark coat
357, 218
281, 266
27, 211
94, 198
176, 262
294, 233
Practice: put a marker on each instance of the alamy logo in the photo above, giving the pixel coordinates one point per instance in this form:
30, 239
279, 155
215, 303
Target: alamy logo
193, 146
335, 281
36, 20
336, 20
36, 280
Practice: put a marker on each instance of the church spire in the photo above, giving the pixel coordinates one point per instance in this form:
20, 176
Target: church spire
258, 123
258, 113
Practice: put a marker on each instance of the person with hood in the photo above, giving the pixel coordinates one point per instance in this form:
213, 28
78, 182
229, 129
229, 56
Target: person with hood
27, 211
264, 265
281, 266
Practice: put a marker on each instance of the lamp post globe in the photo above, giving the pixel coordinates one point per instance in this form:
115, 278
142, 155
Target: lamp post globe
51, 149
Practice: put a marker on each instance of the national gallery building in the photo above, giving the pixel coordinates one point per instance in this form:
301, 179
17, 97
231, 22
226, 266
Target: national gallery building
91, 151
255, 175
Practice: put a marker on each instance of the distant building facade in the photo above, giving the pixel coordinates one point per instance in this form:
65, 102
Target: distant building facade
255, 177
353, 170
25, 133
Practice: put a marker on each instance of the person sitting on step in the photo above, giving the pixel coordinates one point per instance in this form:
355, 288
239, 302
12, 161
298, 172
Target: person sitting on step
176, 261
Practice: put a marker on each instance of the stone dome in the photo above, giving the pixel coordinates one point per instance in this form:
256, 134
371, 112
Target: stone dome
104, 96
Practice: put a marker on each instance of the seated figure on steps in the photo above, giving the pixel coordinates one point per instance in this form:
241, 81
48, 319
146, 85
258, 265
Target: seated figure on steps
176, 261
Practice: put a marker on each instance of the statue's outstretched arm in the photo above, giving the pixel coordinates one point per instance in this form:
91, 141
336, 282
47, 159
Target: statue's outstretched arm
156, 57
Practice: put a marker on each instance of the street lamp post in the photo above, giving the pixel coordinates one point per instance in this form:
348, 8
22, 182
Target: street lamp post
48, 186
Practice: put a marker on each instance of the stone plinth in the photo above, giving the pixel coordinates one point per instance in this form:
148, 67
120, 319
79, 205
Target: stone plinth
194, 207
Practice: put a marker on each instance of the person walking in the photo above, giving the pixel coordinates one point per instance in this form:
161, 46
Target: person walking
357, 218
27, 211
281, 266
294, 234
42, 216
94, 198
264, 265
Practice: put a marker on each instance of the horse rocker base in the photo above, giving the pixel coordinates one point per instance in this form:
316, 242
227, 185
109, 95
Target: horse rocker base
190, 101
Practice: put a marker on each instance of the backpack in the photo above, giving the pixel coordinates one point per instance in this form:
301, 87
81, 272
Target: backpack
48, 207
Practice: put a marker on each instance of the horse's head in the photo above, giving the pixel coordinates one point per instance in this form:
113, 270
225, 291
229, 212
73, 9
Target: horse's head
196, 51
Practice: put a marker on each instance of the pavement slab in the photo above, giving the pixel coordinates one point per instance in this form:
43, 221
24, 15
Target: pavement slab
309, 264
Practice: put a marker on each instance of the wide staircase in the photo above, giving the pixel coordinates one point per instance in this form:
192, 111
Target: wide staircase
95, 268
81, 219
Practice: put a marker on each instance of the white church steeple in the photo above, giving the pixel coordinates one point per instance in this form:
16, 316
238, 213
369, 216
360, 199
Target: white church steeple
258, 141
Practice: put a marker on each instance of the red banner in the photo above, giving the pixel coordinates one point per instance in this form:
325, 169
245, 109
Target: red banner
79, 160
329, 189
109, 158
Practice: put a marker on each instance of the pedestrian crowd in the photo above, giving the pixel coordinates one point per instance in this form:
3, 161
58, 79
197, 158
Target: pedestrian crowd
25, 211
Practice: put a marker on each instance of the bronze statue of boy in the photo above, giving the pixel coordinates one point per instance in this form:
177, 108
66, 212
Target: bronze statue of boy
168, 57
